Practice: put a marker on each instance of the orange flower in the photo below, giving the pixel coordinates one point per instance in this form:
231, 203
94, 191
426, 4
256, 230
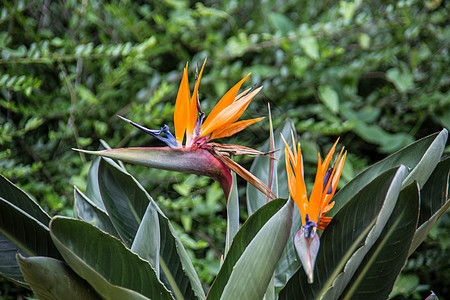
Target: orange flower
221, 122
197, 156
314, 209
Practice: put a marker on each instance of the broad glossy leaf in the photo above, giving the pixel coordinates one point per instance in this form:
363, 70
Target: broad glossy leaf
435, 200
348, 238
436, 191
288, 263
10, 192
92, 188
147, 242
254, 269
20, 231
376, 274
176, 268
126, 202
420, 158
50, 279
242, 239
232, 213
102, 260
88, 211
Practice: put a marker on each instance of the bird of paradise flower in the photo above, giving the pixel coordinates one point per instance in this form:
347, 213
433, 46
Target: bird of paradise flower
312, 211
198, 155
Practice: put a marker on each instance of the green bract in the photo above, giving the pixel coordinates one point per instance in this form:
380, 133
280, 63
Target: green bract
120, 245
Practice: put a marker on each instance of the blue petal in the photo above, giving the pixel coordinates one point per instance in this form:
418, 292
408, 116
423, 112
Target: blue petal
170, 140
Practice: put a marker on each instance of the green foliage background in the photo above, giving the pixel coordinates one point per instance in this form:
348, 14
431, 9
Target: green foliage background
374, 73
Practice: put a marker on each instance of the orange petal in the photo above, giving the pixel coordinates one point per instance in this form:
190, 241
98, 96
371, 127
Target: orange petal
337, 175
323, 223
231, 129
226, 100
229, 114
181, 113
193, 109
329, 156
296, 183
315, 198
242, 94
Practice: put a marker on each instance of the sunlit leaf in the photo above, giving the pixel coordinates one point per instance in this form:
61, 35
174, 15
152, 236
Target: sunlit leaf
245, 236
126, 202
102, 260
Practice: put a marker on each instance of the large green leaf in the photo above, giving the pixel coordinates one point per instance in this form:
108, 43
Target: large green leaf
376, 274
51, 279
19, 231
436, 191
10, 192
348, 238
157, 241
87, 210
254, 269
102, 260
435, 200
126, 202
242, 239
288, 263
147, 242
420, 158
92, 188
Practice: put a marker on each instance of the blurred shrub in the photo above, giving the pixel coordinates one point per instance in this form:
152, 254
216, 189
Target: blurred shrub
375, 73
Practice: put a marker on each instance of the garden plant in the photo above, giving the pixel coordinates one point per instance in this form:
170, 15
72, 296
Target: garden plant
120, 245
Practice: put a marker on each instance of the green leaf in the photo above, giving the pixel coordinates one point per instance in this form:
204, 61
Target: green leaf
254, 269
124, 200
232, 213
50, 279
242, 239
429, 160
378, 271
310, 46
280, 22
176, 268
347, 239
402, 79
436, 191
329, 97
288, 263
88, 211
20, 231
147, 242
435, 200
127, 202
92, 188
102, 260
14, 195
413, 156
